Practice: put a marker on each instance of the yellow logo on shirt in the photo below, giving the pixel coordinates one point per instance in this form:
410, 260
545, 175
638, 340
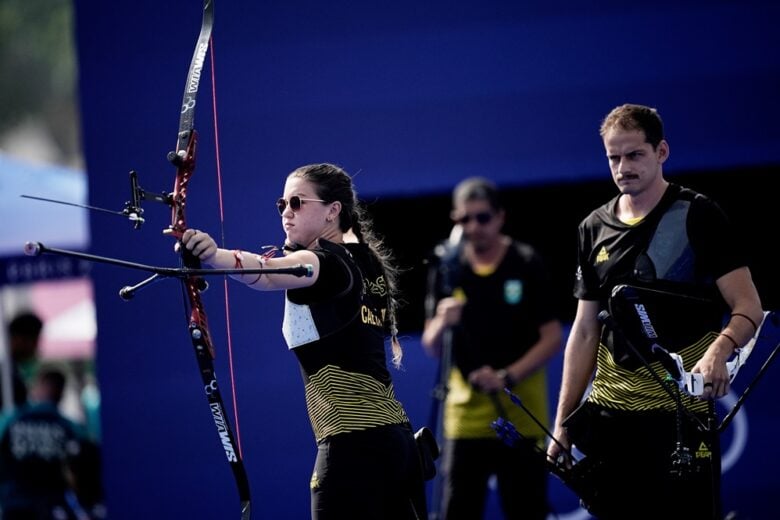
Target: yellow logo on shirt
703, 452
378, 286
368, 316
603, 256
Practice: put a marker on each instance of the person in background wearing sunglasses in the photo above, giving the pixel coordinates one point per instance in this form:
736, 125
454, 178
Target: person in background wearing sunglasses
489, 310
336, 322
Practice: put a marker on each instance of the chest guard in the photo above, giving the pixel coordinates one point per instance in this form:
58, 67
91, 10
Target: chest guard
669, 303
319, 318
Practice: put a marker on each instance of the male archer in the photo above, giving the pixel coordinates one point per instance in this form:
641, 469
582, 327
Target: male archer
653, 460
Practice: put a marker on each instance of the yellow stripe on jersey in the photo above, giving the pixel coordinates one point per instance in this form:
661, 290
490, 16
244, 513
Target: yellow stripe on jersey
617, 387
340, 401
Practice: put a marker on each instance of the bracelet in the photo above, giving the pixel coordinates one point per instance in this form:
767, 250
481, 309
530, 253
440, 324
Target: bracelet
239, 259
261, 261
736, 346
755, 327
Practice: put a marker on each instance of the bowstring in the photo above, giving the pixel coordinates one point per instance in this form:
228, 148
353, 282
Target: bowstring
226, 292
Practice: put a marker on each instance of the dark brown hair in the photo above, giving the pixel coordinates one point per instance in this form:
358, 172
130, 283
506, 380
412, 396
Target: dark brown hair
334, 184
636, 117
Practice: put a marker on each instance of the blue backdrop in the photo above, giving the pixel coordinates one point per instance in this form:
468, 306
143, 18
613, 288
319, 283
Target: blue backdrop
409, 97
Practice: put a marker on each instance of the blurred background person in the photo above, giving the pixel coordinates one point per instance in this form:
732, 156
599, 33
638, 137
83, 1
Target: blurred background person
24, 332
37, 445
489, 310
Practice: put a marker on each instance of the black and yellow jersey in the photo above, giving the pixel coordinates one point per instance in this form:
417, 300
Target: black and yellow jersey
672, 258
337, 329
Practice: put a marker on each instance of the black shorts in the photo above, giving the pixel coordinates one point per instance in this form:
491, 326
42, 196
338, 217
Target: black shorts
373, 473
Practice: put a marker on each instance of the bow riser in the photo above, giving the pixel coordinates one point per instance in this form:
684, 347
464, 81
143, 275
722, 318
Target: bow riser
184, 160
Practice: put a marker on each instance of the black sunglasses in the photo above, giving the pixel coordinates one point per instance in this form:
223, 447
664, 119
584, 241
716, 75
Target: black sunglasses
482, 218
294, 202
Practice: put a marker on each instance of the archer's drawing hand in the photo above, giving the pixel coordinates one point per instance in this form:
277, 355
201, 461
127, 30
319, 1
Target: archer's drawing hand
200, 244
449, 310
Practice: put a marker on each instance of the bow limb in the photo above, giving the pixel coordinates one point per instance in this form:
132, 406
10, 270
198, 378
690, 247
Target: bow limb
190, 272
183, 158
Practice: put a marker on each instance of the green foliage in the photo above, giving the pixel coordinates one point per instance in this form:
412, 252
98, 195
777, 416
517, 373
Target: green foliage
37, 65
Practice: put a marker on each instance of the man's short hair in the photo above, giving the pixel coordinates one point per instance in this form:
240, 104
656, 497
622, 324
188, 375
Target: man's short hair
635, 117
477, 188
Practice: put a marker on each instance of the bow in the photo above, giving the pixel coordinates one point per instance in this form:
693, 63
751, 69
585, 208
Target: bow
183, 158
689, 382
693, 383
766, 335
575, 473
189, 272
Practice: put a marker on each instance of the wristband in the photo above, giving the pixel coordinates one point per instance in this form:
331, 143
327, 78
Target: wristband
239, 259
736, 346
261, 262
755, 327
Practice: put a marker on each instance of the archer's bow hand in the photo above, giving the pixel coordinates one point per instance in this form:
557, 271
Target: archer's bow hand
200, 244
714, 371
